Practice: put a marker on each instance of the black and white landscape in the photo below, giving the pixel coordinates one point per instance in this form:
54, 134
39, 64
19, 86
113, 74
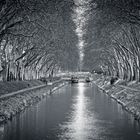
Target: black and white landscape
69, 69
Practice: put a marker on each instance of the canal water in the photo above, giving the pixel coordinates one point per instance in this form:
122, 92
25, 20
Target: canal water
74, 112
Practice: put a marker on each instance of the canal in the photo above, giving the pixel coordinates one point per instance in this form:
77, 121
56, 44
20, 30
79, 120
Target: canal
74, 112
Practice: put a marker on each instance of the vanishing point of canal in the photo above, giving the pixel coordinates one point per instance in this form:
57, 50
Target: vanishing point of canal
74, 112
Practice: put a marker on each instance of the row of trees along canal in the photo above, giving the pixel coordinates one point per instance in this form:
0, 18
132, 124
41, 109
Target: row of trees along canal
36, 38
113, 38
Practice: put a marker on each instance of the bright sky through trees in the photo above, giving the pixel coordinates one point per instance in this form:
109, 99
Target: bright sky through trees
80, 18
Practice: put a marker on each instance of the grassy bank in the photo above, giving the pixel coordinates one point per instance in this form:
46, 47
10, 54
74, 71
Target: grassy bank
125, 93
8, 87
13, 86
9, 107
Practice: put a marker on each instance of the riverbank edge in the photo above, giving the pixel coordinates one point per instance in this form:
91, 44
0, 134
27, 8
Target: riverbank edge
107, 89
16, 104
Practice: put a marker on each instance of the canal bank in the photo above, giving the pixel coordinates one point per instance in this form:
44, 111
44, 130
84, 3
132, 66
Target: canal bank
74, 112
125, 93
16, 102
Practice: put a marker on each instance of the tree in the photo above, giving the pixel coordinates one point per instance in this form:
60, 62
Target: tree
115, 29
41, 34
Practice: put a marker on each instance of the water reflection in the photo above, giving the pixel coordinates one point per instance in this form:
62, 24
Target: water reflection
80, 125
74, 112
1, 131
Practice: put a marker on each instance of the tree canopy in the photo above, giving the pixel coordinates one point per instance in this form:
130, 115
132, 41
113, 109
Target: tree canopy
113, 38
36, 36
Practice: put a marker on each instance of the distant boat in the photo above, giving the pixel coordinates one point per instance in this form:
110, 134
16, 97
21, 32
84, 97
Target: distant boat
87, 79
74, 80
